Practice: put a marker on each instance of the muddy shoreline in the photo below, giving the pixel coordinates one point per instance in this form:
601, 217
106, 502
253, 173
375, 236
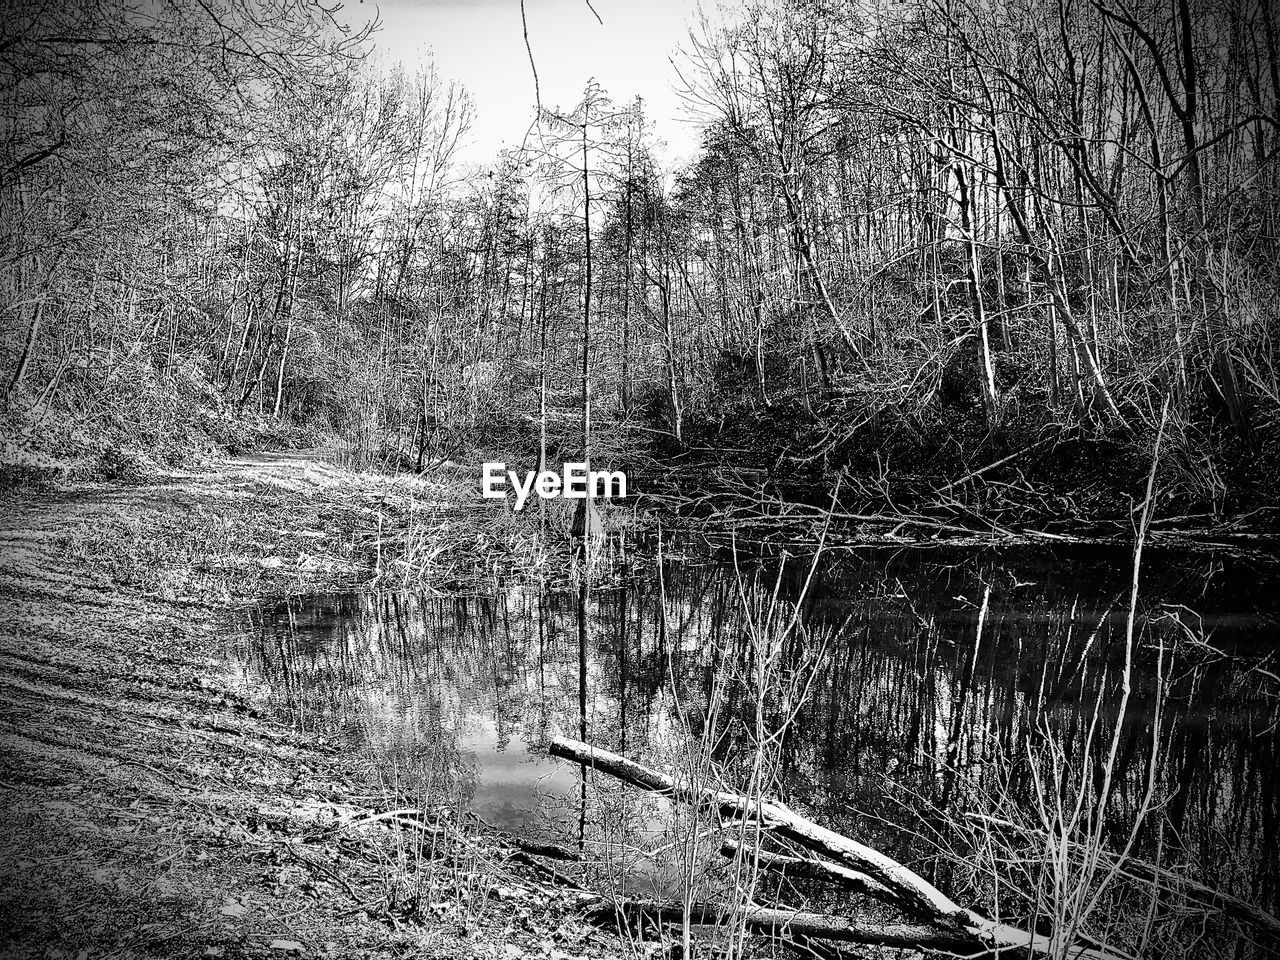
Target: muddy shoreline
150, 809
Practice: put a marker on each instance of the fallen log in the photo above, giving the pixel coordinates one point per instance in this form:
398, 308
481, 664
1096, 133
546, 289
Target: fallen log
906, 888
794, 924
813, 868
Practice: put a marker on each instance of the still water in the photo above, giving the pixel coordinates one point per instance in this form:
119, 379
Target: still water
925, 676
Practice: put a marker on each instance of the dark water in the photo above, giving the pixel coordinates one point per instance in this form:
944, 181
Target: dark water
930, 674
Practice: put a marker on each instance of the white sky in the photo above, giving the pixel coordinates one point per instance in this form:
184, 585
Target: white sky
481, 44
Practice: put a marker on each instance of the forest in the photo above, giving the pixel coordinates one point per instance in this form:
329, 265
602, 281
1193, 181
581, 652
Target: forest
938, 616
917, 242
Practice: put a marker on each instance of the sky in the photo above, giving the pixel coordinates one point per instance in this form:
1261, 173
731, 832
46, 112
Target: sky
481, 44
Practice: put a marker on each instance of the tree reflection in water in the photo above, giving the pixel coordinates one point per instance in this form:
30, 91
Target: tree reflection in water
942, 666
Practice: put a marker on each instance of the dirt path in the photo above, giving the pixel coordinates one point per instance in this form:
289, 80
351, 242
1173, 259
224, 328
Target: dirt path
150, 811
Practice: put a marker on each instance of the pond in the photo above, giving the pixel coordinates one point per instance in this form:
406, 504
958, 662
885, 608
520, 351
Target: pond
915, 680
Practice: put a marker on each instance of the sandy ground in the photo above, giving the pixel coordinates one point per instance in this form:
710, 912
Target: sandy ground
148, 810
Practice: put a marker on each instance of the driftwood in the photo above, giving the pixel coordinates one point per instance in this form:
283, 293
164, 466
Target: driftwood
905, 888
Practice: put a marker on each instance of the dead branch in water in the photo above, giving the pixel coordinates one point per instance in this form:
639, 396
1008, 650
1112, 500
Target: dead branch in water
905, 888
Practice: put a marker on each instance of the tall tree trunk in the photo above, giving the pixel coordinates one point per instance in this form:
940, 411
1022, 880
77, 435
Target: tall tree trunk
586, 306
973, 271
624, 386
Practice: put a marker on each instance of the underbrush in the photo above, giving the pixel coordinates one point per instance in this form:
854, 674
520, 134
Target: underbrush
130, 422
1037, 466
